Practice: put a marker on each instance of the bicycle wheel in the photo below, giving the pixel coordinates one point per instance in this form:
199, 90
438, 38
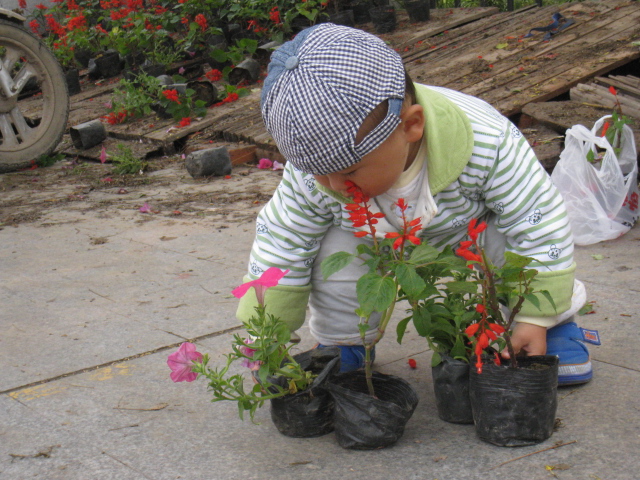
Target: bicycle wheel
34, 102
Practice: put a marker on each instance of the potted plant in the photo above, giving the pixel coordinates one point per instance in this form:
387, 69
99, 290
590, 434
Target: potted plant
513, 404
295, 385
441, 317
372, 409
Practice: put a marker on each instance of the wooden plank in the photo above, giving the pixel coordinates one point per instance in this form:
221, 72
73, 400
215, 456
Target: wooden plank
628, 79
448, 67
623, 88
560, 75
530, 64
600, 95
438, 23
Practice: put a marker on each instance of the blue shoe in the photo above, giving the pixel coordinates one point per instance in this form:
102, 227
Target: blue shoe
567, 343
351, 356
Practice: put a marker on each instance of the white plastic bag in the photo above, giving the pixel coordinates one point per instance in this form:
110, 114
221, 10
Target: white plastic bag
602, 202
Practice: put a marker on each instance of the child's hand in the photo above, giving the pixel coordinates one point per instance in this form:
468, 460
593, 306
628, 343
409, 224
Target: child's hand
529, 338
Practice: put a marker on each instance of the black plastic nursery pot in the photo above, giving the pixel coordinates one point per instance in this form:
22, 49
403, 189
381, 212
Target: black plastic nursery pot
451, 389
345, 18
360, 9
246, 71
418, 10
72, 76
309, 413
383, 18
108, 64
514, 407
364, 422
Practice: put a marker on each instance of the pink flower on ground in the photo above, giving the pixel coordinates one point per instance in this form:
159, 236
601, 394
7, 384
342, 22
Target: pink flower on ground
269, 278
181, 363
277, 165
265, 163
146, 208
103, 155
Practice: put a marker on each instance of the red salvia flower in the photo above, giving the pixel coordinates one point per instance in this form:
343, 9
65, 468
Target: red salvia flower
475, 231
274, 15
35, 27
185, 122
613, 91
202, 21
171, 95
214, 75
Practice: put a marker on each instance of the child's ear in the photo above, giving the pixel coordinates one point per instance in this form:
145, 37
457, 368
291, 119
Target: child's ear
413, 122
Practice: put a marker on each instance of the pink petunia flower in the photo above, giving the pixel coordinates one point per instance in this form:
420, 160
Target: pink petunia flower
277, 165
181, 363
265, 163
269, 278
248, 351
146, 208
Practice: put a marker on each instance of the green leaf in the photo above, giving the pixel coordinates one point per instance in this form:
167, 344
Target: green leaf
423, 253
515, 260
459, 350
549, 298
401, 328
462, 287
422, 322
335, 262
375, 293
436, 359
500, 46
597, 257
533, 299
409, 280
587, 309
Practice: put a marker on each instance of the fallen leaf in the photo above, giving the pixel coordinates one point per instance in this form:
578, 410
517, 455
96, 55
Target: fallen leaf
597, 256
587, 309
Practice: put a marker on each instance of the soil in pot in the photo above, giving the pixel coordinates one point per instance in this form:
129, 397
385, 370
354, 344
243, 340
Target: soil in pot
451, 389
515, 407
364, 422
309, 413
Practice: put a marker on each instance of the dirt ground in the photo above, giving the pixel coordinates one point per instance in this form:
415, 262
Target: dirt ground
166, 190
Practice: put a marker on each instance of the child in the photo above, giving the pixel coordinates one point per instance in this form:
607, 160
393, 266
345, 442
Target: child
340, 107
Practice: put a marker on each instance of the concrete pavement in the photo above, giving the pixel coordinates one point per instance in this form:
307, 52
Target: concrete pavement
93, 304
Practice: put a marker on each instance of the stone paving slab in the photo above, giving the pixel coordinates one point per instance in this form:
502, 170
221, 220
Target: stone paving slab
116, 415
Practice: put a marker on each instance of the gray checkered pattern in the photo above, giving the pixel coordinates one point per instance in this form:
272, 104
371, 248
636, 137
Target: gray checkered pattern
321, 86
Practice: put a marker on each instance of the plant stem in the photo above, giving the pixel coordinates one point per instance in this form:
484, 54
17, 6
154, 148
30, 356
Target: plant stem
368, 347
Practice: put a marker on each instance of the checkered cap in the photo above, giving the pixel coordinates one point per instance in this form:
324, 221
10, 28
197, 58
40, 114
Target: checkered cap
321, 86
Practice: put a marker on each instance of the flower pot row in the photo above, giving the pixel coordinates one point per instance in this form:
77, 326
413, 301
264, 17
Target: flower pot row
509, 407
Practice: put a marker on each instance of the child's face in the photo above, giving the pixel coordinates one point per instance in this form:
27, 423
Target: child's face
380, 169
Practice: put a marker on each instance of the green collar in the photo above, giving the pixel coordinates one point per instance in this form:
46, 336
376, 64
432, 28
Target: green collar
449, 138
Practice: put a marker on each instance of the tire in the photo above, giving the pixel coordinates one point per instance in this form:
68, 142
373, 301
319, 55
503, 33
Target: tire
34, 117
